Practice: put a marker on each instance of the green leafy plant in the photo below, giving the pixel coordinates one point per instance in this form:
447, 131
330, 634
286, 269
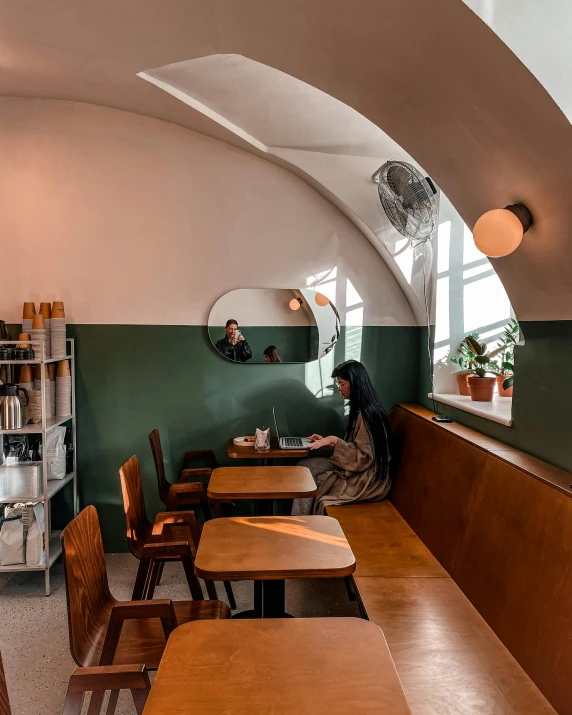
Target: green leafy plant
473, 356
482, 358
465, 357
506, 346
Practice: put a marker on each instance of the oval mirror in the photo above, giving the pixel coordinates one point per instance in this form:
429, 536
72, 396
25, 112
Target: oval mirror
273, 325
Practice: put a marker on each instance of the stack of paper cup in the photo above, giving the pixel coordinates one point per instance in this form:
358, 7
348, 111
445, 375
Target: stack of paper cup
35, 406
37, 377
26, 377
49, 411
58, 330
38, 335
46, 311
63, 389
52, 375
27, 382
24, 336
38, 387
27, 315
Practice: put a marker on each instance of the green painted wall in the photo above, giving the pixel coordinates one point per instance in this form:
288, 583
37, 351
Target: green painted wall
293, 342
542, 399
131, 379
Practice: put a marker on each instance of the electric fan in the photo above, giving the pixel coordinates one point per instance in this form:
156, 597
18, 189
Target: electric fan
408, 199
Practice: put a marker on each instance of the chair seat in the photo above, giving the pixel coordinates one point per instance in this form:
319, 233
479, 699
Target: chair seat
143, 640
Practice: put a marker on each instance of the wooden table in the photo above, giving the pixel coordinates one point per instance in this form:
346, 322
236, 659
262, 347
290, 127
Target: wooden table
235, 451
271, 549
317, 666
261, 484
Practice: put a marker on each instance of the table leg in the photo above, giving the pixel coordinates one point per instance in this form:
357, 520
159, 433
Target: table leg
274, 599
255, 612
263, 507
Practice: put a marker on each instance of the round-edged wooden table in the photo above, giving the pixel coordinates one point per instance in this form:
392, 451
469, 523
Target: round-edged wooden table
322, 666
238, 451
261, 484
271, 549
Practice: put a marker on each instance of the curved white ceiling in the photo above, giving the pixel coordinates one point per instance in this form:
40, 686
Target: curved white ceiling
286, 118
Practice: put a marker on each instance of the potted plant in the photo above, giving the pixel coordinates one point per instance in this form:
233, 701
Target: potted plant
481, 387
465, 359
505, 370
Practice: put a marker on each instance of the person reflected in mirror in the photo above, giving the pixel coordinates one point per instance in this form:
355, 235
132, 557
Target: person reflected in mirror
234, 345
271, 354
358, 467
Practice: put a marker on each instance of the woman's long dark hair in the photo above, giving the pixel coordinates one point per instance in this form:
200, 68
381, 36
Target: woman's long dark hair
273, 354
364, 400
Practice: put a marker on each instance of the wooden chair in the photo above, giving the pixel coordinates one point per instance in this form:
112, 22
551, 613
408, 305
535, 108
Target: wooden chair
104, 631
191, 490
4, 703
101, 679
142, 535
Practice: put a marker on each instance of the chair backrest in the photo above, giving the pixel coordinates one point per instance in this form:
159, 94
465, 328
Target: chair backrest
4, 704
89, 600
139, 528
156, 449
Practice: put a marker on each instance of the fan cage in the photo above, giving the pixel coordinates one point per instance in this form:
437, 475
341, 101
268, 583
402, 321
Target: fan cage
408, 200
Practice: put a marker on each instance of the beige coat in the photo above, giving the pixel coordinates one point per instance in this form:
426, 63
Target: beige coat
352, 478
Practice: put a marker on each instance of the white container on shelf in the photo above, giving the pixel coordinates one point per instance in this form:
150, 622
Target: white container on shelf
21, 481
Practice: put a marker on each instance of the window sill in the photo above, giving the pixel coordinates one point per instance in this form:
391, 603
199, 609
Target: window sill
499, 410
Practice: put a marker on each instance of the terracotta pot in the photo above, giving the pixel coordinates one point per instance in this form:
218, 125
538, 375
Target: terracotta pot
462, 383
502, 392
482, 388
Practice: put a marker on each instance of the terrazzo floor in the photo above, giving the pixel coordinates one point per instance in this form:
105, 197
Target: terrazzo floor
34, 631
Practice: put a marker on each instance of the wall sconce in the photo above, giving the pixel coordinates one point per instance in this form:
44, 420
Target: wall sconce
499, 232
321, 300
295, 303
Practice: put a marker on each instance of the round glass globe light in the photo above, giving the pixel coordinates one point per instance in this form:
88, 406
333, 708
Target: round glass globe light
498, 233
321, 300
295, 304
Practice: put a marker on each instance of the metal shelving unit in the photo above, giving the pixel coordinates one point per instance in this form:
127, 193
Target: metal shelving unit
52, 487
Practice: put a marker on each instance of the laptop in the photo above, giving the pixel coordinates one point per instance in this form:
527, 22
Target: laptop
289, 442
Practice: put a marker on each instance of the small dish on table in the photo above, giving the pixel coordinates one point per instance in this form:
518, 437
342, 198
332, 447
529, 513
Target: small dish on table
244, 441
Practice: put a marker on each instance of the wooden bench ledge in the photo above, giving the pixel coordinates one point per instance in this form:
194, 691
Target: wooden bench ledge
448, 659
383, 543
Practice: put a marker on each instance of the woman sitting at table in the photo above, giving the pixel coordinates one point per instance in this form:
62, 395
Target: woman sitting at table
358, 469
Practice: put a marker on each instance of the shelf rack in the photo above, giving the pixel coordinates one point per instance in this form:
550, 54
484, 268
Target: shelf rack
51, 487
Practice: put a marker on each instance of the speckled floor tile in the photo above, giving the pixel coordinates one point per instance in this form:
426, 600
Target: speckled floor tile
34, 633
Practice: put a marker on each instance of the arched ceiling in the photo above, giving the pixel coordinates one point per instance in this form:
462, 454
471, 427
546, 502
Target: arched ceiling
308, 131
432, 76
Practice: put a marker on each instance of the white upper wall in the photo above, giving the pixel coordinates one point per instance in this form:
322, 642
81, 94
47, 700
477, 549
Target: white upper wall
131, 220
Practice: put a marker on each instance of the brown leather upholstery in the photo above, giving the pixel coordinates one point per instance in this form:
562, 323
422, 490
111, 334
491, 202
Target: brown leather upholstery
515, 566
499, 521
447, 658
382, 542
436, 485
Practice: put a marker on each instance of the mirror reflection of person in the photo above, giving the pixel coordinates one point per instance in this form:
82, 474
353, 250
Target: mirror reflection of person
271, 354
234, 345
358, 468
